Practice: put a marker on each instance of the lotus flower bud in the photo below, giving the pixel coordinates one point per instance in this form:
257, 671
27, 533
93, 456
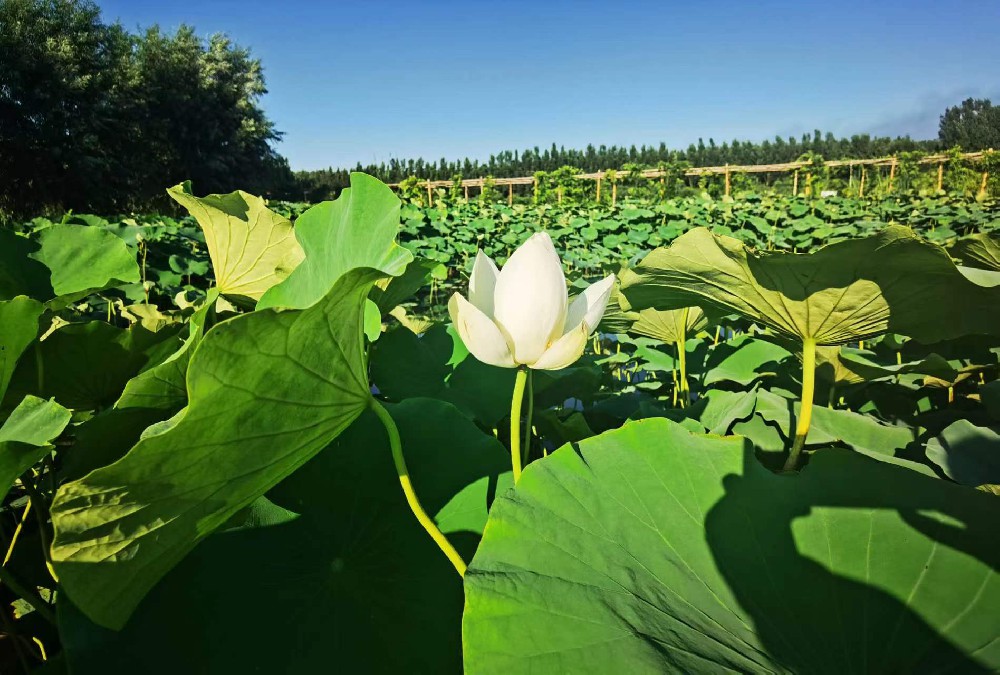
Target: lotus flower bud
522, 315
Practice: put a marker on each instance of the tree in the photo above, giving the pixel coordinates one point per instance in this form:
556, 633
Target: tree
63, 101
95, 118
973, 125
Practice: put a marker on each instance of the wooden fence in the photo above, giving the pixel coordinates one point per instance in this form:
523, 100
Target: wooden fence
727, 171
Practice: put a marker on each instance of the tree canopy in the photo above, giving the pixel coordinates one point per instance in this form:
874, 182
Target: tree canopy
973, 125
93, 116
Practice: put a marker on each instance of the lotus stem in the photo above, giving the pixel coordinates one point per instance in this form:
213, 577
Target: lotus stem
41, 508
411, 497
17, 533
515, 421
526, 450
805, 412
682, 383
682, 359
29, 596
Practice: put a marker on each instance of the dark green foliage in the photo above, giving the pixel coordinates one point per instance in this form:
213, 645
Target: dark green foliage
973, 125
93, 117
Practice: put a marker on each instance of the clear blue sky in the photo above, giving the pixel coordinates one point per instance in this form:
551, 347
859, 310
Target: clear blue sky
368, 80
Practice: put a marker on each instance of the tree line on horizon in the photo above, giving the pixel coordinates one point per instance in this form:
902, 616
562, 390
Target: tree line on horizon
96, 118
511, 163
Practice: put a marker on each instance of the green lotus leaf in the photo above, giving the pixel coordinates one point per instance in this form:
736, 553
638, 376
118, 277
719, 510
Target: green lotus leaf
405, 365
266, 392
64, 261
980, 251
843, 292
84, 259
659, 550
388, 293
18, 329
671, 325
162, 387
339, 235
863, 433
85, 366
979, 256
26, 435
252, 248
743, 360
967, 454
718, 410
353, 579
990, 396
20, 272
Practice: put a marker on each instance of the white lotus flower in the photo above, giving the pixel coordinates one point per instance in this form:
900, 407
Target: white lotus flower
521, 315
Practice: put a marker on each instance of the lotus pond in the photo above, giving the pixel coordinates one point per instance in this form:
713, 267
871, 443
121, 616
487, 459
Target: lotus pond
691, 436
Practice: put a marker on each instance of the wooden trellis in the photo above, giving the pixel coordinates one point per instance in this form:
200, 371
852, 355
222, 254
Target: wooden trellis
726, 170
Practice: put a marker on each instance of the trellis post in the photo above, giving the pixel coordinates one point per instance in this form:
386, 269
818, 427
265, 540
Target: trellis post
430, 195
940, 183
598, 188
614, 194
982, 185
892, 173
795, 184
510, 194
861, 187
727, 179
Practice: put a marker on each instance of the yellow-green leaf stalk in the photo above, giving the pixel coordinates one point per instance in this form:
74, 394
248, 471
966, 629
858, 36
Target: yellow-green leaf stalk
805, 411
411, 497
682, 360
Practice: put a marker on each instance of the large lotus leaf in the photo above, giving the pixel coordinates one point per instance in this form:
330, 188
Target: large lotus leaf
833, 367
388, 293
847, 291
26, 435
979, 256
847, 365
989, 394
718, 410
404, 365
861, 432
252, 248
669, 325
743, 360
650, 549
18, 329
83, 259
266, 392
580, 381
967, 454
163, 386
105, 438
354, 582
979, 251
482, 391
85, 366
20, 273
357, 229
